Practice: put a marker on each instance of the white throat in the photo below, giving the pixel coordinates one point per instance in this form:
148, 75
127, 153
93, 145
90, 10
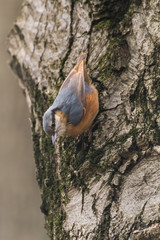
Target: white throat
60, 126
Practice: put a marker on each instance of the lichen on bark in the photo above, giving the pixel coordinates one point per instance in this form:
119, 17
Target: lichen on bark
107, 186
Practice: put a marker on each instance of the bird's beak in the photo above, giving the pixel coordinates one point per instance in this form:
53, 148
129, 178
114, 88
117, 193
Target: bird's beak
54, 138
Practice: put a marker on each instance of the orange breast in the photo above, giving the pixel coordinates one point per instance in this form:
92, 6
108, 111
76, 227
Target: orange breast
92, 108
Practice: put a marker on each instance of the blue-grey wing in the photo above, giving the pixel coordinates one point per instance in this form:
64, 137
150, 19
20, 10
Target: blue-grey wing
76, 82
68, 103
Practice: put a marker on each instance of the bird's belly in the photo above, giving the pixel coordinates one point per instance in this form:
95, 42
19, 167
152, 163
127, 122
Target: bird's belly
92, 108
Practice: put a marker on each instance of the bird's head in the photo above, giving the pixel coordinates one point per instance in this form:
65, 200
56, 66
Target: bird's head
54, 123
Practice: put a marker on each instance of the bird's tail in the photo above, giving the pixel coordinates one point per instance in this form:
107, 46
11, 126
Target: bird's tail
82, 59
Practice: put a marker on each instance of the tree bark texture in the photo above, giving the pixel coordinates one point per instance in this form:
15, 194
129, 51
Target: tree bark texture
104, 186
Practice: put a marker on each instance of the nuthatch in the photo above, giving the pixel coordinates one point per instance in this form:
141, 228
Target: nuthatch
75, 106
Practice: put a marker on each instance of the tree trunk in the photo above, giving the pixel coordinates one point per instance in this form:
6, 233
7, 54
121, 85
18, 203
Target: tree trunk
105, 186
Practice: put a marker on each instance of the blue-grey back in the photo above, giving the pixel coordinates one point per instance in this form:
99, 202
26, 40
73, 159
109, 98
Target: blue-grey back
88, 89
68, 103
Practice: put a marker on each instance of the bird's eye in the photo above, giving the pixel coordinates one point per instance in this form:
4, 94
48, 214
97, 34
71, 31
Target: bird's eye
53, 124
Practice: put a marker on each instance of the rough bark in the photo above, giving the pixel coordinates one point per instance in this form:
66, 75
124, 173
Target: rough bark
106, 186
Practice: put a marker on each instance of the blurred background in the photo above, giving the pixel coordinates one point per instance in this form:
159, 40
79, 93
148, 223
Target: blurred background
20, 215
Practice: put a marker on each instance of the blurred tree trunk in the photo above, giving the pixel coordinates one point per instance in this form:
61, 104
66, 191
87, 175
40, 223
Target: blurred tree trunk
106, 187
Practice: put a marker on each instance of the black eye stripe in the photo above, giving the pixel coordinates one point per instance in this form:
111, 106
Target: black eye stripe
53, 119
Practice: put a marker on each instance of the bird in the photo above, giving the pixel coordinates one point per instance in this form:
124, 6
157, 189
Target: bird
75, 106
